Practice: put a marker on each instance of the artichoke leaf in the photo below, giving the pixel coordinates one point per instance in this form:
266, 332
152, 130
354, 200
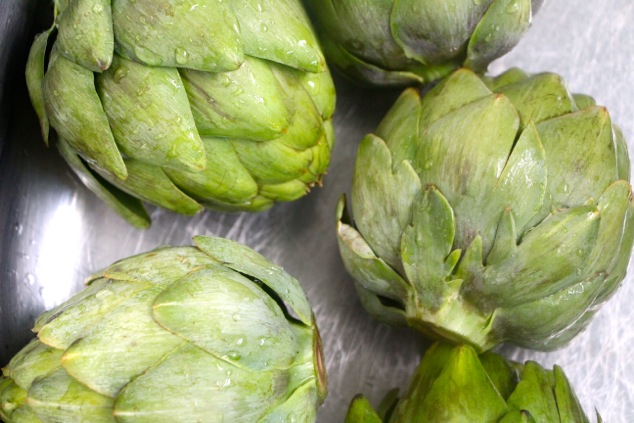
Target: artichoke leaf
298, 407
66, 326
360, 70
161, 266
34, 74
128, 207
612, 205
124, 343
535, 392
230, 317
60, 398
575, 178
374, 183
195, 34
150, 183
360, 411
503, 376
34, 361
508, 77
197, 387
517, 416
435, 31
505, 244
522, 184
400, 127
361, 28
392, 314
463, 154
619, 267
570, 409
224, 179
320, 88
150, 115
532, 324
272, 162
622, 156
499, 30
450, 393
85, 34
279, 31
53, 313
75, 111
451, 93
364, 266
425, 245
306, 121
583, 100
245, 103
13, 405
540, 97
321, 152
549, 258
285, 191
246, 261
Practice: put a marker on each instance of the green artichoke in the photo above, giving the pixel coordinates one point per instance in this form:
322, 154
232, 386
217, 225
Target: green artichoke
455, 384
185, 104
398, 42
212, 333
490, 210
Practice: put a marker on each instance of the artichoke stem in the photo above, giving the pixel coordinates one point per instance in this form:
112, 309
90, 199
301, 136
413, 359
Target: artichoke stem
456, 320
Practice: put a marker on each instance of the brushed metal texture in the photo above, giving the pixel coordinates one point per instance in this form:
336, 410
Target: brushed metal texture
54, 232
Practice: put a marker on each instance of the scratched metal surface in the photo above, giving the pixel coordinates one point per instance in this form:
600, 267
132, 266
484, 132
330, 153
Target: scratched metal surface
53, 232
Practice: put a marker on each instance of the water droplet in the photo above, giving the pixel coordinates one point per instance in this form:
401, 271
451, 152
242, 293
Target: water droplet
121, 73
240, 341
234, 355
29, 278
578, 271
477, 2
236, 316
182, 56
580, 252
513, 7
261, 341
18, 228
97, 8
428, 164
264, 27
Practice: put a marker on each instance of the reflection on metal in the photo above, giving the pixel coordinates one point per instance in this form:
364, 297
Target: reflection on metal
61, 237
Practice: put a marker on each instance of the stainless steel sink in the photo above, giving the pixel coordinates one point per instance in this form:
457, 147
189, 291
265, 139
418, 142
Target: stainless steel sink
54, 232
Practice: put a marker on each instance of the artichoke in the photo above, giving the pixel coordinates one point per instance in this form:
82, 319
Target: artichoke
212, 333
185, 104
399, 42
455, 384
490, 210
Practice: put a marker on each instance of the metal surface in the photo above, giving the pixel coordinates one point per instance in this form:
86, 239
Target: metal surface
54, 232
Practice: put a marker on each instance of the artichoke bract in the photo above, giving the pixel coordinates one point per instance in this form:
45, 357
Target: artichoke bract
212, 333
455, 384
490, 210
406, 42
185, 104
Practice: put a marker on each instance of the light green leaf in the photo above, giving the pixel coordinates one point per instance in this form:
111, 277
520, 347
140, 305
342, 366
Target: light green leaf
196, 34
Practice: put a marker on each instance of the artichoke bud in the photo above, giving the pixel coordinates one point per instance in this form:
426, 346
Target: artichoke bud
457, 384
141, 83
214, 332
408, 42
485, 202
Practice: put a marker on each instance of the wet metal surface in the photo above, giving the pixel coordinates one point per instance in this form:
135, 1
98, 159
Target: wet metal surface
54, 232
